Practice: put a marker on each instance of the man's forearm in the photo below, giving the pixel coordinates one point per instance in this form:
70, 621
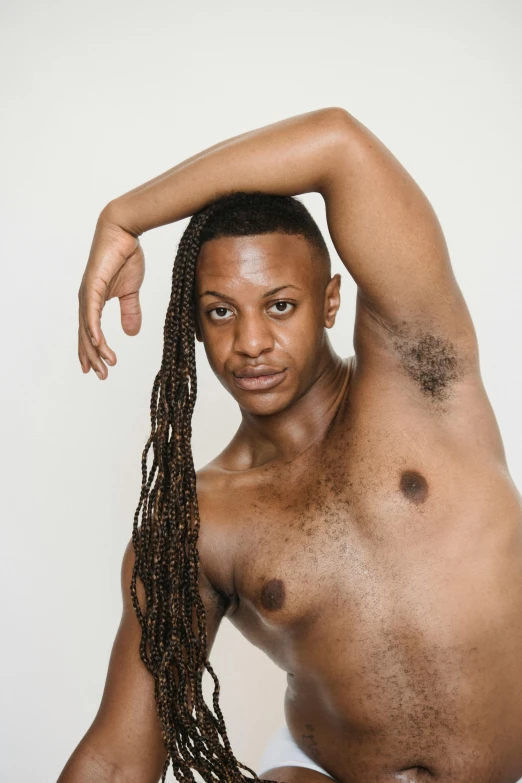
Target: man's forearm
287, 158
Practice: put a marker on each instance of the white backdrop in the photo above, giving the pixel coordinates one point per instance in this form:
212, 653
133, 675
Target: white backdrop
100, 96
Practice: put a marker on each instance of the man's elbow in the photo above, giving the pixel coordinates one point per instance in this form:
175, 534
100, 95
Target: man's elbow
87, 765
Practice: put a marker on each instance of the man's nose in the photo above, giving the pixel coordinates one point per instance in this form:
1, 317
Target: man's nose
253, 335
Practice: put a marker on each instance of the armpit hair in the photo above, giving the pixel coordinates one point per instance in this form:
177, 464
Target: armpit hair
432, 362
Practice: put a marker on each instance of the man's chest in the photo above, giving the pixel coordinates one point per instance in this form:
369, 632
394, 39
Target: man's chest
290, 540
375, 516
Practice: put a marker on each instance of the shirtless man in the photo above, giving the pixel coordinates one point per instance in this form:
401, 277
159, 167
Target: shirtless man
374, 490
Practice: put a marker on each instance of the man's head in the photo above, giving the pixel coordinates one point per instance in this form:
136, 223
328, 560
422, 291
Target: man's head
263, 297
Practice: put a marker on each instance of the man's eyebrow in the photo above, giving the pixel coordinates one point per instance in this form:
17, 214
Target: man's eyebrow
280, 288
268, 293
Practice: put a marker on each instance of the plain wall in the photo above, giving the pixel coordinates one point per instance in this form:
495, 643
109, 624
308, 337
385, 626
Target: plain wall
98, 97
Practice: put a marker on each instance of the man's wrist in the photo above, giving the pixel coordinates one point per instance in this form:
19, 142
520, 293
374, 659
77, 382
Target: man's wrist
118, 213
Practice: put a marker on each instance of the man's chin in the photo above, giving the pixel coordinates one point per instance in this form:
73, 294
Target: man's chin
263, 403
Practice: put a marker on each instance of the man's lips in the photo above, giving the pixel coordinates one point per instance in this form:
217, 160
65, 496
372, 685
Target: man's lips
251, 371
259, 378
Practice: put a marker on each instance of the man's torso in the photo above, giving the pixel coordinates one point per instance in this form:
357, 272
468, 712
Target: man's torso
382, 569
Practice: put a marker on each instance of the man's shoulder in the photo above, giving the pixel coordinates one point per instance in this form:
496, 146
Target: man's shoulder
213, 539
211, 481
215, 488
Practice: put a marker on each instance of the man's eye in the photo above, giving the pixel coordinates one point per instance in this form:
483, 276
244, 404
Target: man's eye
280, 309
220, 311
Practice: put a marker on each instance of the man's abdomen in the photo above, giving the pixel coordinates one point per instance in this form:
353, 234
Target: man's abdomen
414, 669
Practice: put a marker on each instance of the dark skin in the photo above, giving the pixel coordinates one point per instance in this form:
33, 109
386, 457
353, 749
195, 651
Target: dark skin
361, 527
357, 496
285, 331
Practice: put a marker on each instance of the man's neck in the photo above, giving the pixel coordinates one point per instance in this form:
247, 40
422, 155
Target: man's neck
284, 436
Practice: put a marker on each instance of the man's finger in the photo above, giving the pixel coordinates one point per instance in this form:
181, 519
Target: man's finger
95, 360
130, 313
102, 349
94, 300
92, 303
82, 356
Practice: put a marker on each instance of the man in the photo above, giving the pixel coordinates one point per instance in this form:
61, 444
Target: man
361, 527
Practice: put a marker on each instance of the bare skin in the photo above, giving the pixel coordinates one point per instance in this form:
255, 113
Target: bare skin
368, 539
361, 527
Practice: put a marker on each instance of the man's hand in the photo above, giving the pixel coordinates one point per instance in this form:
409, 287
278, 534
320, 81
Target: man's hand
116, 267
288, 157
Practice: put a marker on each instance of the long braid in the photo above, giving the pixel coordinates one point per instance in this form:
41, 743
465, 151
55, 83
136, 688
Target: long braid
167, 558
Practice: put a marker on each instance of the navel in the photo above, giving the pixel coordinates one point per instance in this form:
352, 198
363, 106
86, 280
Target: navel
414, 486
273, 594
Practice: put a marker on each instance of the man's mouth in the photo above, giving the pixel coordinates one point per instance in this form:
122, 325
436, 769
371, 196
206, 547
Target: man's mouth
259, 378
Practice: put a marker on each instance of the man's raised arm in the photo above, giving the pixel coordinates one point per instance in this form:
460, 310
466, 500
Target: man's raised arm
287, 158
380, 221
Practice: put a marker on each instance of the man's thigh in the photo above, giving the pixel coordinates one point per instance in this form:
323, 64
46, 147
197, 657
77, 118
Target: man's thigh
295, 775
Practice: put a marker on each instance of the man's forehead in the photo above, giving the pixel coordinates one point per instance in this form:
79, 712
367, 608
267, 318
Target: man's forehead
255, 259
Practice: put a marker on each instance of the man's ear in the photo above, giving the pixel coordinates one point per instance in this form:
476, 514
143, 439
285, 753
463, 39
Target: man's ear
332, 300
197, 331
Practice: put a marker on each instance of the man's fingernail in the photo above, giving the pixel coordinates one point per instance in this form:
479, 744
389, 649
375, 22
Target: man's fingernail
93, 341
98, 373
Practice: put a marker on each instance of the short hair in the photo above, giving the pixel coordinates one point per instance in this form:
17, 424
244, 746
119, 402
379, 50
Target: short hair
243, 213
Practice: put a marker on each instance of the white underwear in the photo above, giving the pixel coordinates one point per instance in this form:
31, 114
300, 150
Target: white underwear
282, 751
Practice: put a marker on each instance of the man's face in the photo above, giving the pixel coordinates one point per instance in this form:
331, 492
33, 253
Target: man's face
262, 304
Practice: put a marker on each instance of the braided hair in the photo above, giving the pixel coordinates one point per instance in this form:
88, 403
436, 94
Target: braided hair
167, 558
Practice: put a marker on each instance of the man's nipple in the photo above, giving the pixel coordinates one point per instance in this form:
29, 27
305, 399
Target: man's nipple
414, 486
273, 594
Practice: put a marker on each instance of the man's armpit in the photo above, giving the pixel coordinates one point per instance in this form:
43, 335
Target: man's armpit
433, 362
